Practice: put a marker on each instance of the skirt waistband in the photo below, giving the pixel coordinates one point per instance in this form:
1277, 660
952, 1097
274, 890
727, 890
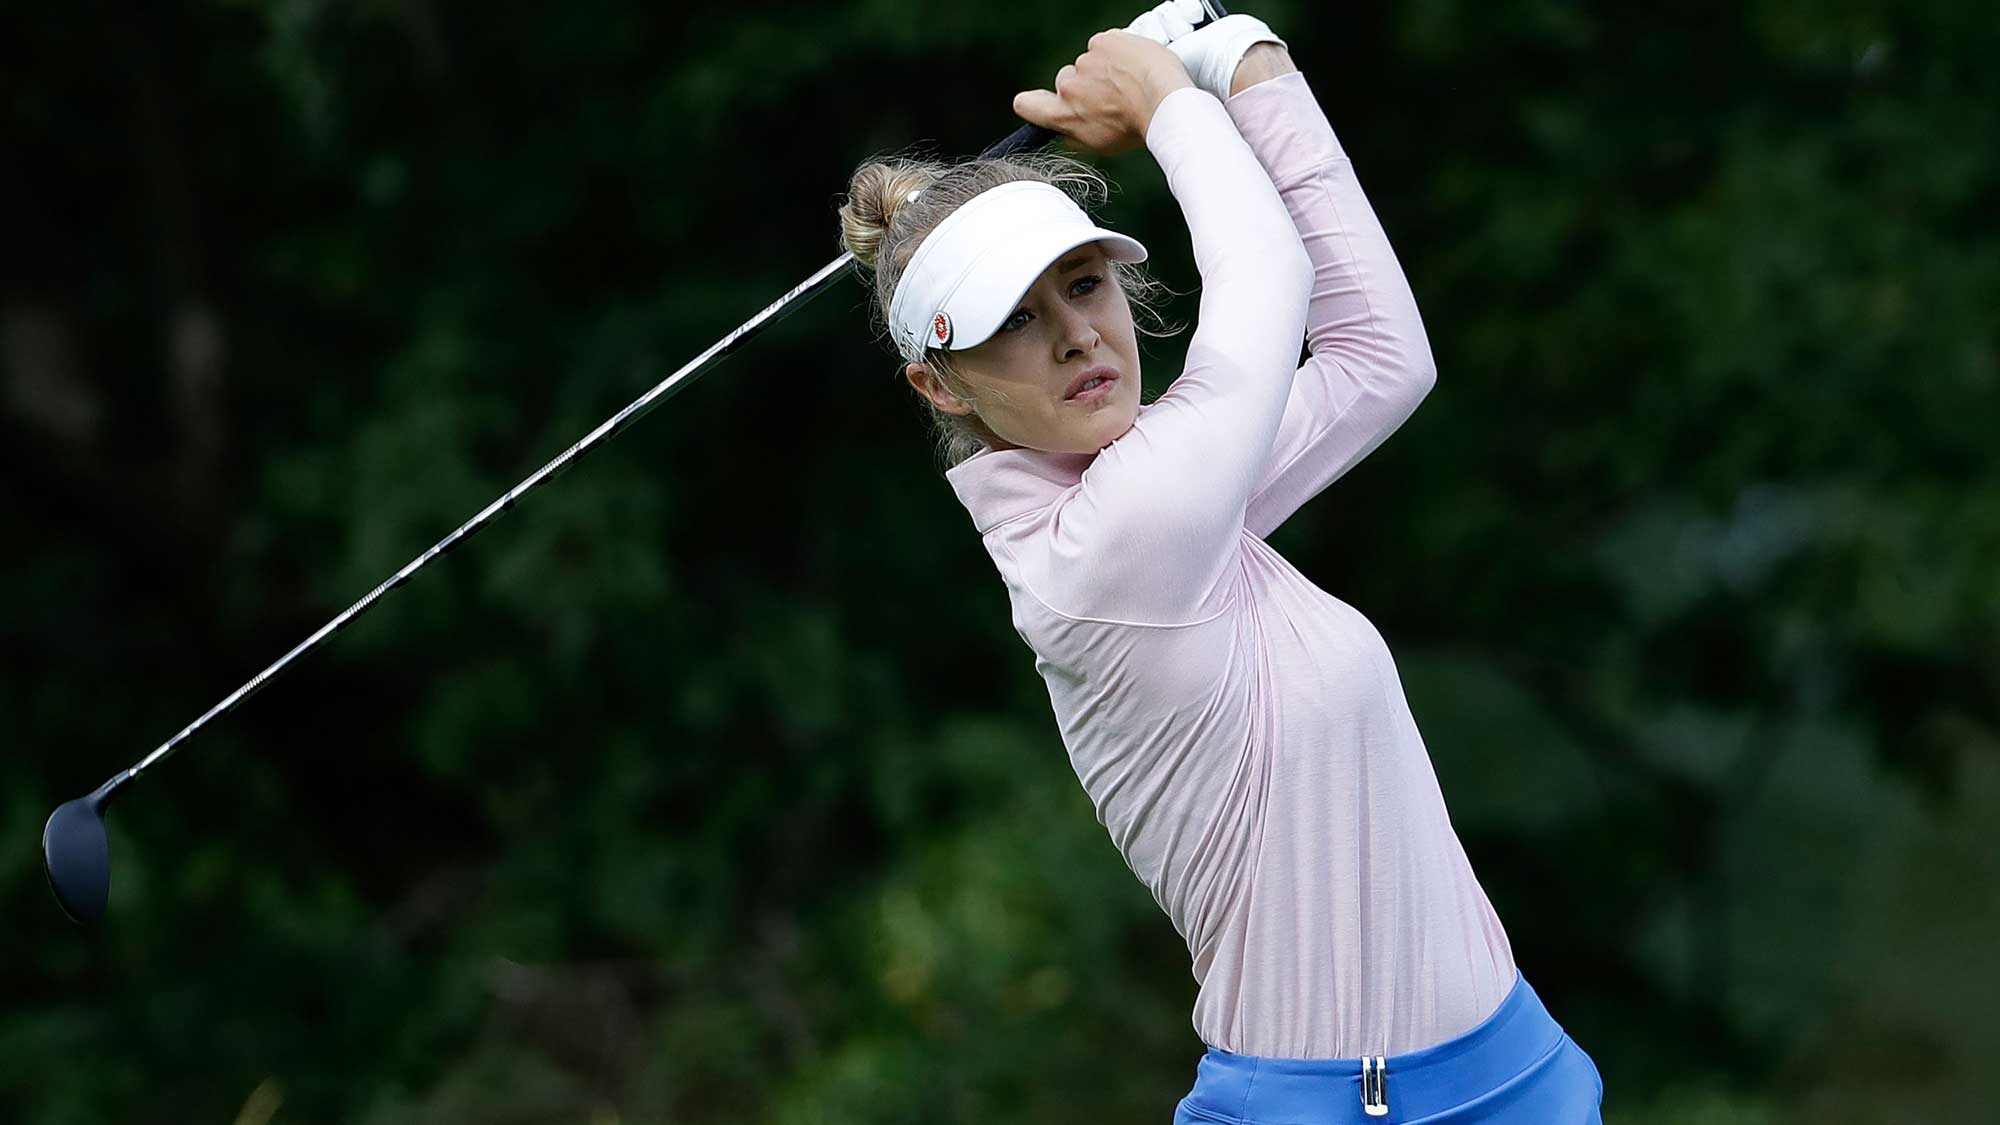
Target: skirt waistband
1487, 1056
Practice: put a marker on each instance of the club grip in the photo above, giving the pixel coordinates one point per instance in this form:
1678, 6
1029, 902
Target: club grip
1030, 136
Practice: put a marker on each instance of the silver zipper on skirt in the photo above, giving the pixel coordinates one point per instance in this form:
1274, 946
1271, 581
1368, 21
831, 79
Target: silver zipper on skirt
1375, 1086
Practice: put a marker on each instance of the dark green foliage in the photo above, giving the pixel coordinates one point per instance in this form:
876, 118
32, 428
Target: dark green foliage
713, 784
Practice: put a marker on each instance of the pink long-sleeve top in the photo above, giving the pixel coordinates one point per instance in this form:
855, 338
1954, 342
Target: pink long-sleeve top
1243, 734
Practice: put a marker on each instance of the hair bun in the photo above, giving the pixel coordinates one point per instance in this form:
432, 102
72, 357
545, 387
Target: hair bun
877, 191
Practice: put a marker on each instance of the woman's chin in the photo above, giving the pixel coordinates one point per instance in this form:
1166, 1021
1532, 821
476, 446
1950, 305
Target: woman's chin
1114, 431
1092, 436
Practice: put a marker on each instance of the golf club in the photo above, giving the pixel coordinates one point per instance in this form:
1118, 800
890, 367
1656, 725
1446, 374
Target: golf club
76, 853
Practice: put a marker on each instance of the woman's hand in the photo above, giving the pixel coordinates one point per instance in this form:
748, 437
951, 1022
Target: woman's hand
1104, 101
1225, 56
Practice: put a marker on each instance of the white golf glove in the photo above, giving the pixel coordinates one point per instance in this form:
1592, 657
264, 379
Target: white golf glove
1169, 21
1210, 54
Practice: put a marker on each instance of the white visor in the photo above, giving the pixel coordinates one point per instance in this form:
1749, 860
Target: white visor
969, 273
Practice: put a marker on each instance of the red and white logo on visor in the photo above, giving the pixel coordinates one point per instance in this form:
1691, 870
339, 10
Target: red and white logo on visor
941, 328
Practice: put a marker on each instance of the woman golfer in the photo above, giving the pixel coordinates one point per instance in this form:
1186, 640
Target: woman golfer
1242, 733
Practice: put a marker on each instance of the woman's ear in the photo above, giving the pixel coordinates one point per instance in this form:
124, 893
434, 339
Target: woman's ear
931, 387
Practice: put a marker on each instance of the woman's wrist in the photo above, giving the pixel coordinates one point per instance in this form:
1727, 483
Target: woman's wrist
1161, 82
1261, 62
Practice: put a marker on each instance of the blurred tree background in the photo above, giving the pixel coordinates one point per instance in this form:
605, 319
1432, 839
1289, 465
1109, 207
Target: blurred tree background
713, 784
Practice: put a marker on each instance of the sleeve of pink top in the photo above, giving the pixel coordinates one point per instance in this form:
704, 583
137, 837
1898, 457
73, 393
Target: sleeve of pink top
1370, 362
1153, 532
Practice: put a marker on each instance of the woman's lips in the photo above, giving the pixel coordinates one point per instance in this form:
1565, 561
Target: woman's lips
1078, 394
1101, 390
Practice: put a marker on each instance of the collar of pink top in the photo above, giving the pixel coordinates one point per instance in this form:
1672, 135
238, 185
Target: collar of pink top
999, 485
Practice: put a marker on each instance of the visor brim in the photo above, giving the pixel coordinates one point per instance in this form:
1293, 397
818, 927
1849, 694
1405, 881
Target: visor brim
994, 288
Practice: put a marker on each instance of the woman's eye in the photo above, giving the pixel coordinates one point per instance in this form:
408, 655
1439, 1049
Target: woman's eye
1093, 281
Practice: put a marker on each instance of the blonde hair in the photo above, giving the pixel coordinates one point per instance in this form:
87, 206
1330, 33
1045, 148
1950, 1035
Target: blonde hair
882, 227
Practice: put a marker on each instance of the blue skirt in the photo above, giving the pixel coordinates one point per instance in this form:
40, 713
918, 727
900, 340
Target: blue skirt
1516, 1067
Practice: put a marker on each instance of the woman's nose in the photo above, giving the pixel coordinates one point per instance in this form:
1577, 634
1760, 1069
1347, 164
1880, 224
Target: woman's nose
1077, 334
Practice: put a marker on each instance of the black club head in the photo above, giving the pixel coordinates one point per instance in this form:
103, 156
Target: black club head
77, 854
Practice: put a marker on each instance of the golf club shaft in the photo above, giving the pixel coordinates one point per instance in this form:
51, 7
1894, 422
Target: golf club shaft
772, 313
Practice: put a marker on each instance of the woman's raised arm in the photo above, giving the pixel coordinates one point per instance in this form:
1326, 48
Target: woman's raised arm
1155, 529
1371, 362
